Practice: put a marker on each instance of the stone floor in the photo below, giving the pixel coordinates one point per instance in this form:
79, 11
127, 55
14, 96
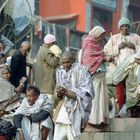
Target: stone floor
119, 129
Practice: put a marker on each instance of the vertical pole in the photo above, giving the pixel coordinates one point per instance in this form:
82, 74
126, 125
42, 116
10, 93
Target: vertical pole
67, 33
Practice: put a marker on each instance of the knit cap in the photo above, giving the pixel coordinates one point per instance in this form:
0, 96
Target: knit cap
123, 21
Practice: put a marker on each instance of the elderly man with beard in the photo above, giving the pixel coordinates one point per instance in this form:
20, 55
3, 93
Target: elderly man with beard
121, 46
74, 91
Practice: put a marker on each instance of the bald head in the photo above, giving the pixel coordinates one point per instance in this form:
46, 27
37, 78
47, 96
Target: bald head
26, 44
67, 60
68, 55
25, 47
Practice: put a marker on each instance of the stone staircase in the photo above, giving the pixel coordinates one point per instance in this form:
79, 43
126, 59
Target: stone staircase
119, 129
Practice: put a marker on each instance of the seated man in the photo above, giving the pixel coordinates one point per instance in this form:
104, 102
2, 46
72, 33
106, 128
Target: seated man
34, 113
74, 89
127, 71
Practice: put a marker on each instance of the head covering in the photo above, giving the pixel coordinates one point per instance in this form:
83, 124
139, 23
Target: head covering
96, 31
49, 38
56, 50
137, 55
92, 55
123, 21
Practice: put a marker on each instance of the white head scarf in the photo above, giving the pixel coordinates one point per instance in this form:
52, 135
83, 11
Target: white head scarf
96, 31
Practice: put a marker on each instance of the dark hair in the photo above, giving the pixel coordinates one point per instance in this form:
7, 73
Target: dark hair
35, 89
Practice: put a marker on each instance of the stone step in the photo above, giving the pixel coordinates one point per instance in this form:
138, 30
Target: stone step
118, 129
125, 125
109, 136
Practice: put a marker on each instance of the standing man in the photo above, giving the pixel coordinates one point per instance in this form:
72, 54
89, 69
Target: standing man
128, 71
18, 63
74, 90
121, 46
47, 61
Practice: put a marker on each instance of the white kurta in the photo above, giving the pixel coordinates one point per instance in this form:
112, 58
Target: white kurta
111, 48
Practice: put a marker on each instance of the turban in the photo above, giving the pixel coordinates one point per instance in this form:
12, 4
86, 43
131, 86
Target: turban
49, 38
123, 21
97, 31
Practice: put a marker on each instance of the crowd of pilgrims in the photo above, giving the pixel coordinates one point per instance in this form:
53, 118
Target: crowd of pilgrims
71, 93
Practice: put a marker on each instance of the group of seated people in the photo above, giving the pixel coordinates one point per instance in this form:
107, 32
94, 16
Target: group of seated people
36, 107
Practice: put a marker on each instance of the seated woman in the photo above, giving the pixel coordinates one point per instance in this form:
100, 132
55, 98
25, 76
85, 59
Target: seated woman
9, 95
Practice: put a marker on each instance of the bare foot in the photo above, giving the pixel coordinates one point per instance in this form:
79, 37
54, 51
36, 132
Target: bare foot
91, 128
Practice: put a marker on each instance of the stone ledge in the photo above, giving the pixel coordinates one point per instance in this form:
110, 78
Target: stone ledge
125, 125
109, 136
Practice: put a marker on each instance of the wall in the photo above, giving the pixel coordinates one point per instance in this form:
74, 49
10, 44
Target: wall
54, 7
79, 6
63, 7
116, 16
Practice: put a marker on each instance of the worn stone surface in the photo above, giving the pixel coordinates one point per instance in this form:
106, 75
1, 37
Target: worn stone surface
125, 125
119, 129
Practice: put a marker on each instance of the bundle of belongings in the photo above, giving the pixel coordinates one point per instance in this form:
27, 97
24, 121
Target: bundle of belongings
7, 129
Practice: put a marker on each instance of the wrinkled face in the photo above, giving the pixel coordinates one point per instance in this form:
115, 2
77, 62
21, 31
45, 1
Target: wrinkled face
6, 74
31, 97
124, 29
101, 37
67, 63
25, 50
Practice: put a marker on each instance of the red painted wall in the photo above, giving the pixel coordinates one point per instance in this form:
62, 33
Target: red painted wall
79, 6
54, 7
62, 7
116, 17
